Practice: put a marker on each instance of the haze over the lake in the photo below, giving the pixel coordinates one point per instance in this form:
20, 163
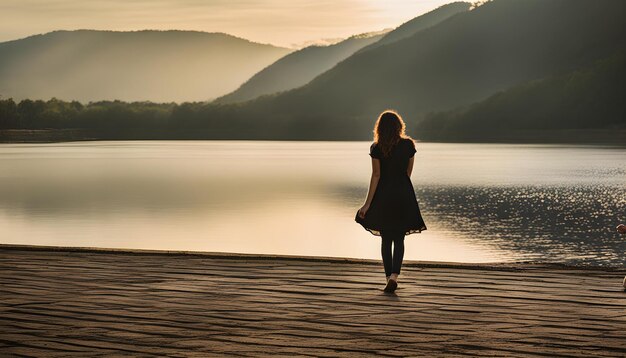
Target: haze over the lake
296, 23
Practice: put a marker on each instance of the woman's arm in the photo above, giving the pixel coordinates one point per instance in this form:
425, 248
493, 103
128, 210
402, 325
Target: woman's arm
373, 184
409, 168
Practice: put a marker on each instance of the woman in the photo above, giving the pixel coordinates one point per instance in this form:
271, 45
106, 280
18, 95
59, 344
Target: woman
391, 210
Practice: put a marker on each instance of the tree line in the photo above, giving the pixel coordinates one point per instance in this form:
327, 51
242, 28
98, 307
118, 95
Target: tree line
190, 120
585, 98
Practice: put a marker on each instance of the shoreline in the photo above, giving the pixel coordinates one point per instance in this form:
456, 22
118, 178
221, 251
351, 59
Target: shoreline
505, 266
600, 137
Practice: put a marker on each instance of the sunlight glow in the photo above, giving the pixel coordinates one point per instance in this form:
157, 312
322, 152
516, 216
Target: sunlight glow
284, 23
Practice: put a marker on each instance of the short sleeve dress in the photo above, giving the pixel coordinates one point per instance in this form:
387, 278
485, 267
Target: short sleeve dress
394, 205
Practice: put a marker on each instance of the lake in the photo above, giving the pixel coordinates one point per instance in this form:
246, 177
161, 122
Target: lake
481, 202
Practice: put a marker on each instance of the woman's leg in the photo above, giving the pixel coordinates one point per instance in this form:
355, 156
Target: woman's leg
398, 251
385, 250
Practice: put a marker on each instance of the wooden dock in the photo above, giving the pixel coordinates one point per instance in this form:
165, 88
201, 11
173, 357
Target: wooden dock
58, 302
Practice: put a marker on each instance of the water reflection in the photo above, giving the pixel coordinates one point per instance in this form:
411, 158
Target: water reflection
481, 202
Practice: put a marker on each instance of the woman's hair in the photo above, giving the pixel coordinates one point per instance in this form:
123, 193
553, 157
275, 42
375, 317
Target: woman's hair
389, 130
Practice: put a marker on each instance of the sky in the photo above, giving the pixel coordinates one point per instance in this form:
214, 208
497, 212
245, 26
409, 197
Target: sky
287, 23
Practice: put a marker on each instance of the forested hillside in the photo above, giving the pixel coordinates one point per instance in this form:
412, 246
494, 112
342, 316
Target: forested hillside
300, 67
158, 66
586, 98
504, 68
297, 68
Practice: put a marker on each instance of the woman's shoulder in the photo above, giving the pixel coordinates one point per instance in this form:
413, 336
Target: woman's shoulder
409, 141
375, 151
410, 146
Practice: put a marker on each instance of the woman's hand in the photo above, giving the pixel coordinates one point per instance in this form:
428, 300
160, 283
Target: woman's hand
363, 210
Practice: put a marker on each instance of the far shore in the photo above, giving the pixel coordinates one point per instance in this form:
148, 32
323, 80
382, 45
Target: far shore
583, 137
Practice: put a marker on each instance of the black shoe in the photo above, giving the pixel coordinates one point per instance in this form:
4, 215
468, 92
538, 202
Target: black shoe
391, 285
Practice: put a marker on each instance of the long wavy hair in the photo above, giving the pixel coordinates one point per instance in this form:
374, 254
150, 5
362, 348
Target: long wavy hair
389, 130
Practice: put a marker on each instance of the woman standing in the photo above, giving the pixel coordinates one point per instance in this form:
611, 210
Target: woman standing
391, 210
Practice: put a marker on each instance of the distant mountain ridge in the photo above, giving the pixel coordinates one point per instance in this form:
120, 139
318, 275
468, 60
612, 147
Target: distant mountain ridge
300, 67
297, 68
421, 22
463, 59
160, 66
506, 70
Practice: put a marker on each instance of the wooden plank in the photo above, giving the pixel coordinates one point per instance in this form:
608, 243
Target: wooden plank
116, 303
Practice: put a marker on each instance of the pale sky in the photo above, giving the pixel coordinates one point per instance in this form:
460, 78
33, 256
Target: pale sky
288, 23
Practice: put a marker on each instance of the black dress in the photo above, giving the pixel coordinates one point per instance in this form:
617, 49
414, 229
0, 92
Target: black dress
394, 205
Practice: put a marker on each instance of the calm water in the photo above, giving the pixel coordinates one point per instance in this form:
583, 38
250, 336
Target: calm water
481, 202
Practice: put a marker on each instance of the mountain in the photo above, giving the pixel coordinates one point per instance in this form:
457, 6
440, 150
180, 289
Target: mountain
461, 60
300, 67
506, 67
88, 65
422, 22
586, 98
